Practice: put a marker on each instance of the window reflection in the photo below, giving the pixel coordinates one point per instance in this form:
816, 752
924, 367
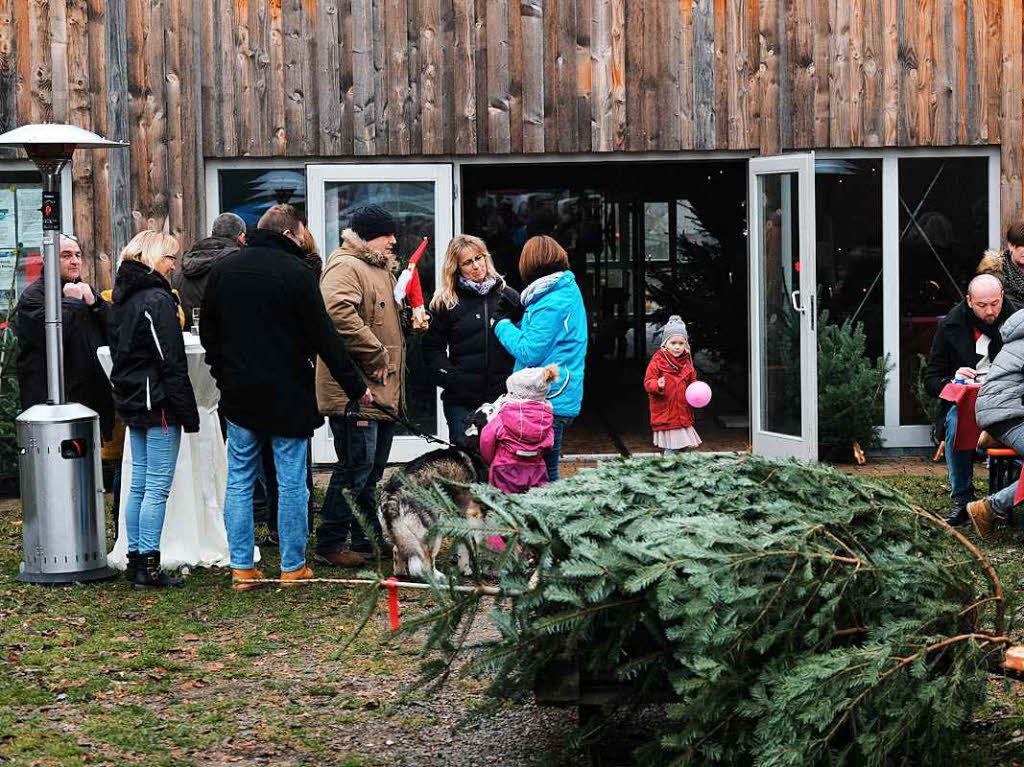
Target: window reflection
943, 205
250, 192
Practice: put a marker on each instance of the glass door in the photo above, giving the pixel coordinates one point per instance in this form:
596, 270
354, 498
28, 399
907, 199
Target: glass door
784, 381
419, 196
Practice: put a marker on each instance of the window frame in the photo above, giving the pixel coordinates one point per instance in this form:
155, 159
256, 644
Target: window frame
893, 433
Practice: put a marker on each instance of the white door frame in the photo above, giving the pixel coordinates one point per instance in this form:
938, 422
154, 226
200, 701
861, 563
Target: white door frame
405, 448
805, 446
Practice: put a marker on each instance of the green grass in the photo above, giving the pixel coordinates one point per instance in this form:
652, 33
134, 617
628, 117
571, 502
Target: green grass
104, 673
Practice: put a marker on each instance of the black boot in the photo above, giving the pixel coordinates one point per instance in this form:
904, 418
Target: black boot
133, 565
150, 576
959, 516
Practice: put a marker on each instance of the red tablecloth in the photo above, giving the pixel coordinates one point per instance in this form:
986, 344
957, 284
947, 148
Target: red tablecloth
963, 396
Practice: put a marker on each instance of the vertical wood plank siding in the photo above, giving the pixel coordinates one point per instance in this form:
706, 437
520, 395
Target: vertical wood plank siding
190, 80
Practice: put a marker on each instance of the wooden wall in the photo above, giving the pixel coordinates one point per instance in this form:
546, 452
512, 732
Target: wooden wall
185, 80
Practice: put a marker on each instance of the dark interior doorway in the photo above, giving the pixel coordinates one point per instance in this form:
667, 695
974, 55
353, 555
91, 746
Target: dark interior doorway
646, 240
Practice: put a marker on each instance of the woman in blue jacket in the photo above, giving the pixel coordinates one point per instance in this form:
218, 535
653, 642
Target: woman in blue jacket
552, 329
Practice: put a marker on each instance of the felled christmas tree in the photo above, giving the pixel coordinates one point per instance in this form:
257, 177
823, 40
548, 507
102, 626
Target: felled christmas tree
794, 615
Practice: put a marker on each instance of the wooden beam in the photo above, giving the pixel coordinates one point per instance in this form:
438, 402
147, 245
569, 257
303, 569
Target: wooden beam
515, 75
636, 141
769, 71
465, 78
118, 100
99, 205
430, 77
499, 121
891, 74
703, 69
397, 65
534, 98
480, 75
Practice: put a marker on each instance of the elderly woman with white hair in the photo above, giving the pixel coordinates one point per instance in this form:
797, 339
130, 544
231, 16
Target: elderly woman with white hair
152, 392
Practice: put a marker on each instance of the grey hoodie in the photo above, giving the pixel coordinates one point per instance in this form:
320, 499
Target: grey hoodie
190, 280
1002, 395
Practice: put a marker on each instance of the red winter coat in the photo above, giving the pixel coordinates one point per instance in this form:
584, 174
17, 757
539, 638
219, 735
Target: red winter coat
669, 408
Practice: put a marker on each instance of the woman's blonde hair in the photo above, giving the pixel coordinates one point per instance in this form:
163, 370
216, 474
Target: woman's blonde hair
446, 296
149, 246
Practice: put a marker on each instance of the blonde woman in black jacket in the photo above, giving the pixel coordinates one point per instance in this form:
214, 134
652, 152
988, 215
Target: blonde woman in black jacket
152, 392
460, 349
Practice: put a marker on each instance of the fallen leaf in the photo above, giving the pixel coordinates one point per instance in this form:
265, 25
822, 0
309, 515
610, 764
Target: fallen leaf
191, 638
121, 639
213, 666
192, 684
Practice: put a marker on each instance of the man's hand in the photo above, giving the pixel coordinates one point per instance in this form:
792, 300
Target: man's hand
87, 294
367, 398
969, 373
73, 290
380, 374
661, 382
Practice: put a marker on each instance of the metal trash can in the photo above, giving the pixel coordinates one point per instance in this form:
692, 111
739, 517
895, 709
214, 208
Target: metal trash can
63, 531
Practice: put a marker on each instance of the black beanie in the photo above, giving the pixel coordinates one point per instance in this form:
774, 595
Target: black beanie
373, 221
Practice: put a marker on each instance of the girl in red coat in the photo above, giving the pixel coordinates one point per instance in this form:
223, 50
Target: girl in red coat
668, 375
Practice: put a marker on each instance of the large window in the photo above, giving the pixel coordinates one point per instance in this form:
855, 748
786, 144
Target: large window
21, 234
943, 231
250, 191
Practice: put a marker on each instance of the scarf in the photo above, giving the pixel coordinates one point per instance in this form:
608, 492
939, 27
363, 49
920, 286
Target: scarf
1013, 277
989, 329
483, 288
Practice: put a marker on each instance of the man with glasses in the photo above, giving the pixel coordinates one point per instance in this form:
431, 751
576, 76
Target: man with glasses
84, 326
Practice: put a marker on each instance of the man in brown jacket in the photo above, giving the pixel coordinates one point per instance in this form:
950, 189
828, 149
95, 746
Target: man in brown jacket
358, 289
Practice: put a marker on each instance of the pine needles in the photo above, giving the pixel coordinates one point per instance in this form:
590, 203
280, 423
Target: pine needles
793, 615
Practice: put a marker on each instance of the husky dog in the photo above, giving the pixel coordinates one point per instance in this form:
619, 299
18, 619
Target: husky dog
405, 518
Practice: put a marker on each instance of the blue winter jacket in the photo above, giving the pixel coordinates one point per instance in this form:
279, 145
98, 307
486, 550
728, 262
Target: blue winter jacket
553, 329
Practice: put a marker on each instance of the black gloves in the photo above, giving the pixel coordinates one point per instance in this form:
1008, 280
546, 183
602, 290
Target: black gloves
507, 308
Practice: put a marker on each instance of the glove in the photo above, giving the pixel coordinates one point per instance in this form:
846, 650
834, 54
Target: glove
507, 309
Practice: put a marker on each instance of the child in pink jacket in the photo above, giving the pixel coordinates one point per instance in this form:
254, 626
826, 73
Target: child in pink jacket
515, 439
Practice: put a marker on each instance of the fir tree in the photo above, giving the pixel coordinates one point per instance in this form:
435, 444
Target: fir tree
794, 615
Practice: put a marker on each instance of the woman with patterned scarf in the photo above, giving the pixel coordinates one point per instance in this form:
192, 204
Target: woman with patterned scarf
1008, 266
460, 349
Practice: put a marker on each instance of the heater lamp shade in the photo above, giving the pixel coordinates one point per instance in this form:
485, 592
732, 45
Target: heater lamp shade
53, 140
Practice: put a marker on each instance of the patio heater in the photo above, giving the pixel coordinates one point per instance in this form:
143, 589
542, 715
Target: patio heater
63, 534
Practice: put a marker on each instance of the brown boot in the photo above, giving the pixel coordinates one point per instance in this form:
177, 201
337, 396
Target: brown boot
240, 578
295, 576
982, 515
343, 558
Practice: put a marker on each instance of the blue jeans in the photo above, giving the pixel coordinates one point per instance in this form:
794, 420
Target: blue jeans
154, 456
457, 415
1002, 500
959, 464
554, 455
363, 452
293, 496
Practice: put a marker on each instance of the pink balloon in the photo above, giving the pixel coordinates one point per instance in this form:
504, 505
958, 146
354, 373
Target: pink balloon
698, 394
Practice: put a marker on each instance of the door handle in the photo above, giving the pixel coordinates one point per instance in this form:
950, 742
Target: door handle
796, 304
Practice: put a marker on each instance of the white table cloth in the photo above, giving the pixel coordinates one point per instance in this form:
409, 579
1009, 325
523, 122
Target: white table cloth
193, 533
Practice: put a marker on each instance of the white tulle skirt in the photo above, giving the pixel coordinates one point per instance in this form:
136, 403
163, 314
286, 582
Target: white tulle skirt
677, 439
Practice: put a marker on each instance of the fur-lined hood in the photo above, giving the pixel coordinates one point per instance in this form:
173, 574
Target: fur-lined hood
354, 245
991, 263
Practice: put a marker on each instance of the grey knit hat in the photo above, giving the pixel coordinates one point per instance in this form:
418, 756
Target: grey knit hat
674, 327
530, 383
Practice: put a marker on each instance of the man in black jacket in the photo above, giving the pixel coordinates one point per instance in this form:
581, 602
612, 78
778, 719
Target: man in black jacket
966, 341
263, 324
84, 330
226, 238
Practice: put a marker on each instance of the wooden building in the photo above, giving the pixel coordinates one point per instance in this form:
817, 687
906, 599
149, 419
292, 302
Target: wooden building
531, 89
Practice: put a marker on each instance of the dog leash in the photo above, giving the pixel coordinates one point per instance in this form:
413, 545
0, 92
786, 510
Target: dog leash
352, 410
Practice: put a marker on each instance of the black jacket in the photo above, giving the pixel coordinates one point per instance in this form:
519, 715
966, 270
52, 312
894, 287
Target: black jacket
190, 280
84, 330
150, 371
461, 351
953, 345
263, 323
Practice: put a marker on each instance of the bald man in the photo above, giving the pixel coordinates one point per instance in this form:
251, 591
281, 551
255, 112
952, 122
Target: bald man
966, 341
84, 317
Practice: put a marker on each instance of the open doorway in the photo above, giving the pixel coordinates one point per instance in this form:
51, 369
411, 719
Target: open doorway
646, 240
